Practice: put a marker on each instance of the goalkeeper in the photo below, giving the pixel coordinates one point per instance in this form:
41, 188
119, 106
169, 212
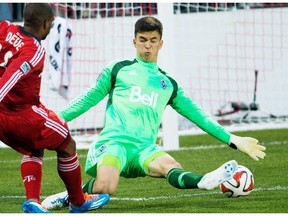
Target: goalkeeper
138, 92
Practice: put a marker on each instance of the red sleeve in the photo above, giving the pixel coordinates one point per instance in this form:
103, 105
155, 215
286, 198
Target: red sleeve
29, 59
3, 24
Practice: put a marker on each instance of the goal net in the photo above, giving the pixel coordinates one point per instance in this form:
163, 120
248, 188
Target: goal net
214, 50
238, 71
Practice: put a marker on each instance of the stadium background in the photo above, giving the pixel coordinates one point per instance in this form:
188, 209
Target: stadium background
212, 49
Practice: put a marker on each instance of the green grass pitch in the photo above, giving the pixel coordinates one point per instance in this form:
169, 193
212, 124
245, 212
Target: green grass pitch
200, 153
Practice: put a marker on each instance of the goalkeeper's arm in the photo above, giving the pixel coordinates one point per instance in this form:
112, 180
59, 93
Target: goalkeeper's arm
248, 145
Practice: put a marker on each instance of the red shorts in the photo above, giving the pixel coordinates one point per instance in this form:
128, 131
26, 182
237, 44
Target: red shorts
32, 129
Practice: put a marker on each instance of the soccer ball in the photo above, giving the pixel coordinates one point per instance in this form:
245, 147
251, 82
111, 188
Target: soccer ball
241, 184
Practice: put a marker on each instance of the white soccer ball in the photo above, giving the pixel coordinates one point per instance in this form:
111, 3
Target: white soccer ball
241, 184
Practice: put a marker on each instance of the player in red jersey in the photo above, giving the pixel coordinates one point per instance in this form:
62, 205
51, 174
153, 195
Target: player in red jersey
26, 125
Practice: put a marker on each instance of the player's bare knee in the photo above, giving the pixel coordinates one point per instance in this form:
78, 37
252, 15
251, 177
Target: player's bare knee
104, 187
110, 190
69, 150
171, 164
37, 153
176, 165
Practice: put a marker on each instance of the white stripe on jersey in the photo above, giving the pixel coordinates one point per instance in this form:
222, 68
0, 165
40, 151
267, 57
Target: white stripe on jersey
10, 83
50, 123
40, 111
8, 22
54, 126
38, 56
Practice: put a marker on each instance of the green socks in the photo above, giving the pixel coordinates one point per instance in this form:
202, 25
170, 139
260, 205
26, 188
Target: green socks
88, 187
176, 177
179, 178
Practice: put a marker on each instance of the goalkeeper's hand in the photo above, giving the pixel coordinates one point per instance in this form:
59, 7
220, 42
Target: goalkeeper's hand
249, 146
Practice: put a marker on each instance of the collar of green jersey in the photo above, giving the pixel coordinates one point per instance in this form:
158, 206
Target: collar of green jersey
147, 64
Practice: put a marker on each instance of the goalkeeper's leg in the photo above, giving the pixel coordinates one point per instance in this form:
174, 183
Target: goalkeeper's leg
167, 166
179, 178
218, 176
163, 165
108, 176
100, 188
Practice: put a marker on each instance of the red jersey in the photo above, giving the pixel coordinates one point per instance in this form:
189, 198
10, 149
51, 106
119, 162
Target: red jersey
21, 63
26, 124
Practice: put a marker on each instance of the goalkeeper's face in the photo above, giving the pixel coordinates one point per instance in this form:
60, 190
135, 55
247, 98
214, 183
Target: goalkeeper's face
147, 45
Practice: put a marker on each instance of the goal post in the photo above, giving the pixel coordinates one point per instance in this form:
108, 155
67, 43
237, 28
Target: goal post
170, 137
217, 47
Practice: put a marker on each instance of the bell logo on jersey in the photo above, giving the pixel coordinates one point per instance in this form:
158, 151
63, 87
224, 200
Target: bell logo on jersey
146, 99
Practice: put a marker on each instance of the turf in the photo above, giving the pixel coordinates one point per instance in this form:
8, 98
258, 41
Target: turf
200, 153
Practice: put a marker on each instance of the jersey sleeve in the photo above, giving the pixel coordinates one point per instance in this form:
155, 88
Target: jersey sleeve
3, 25
91, 97
18, 66
189, 109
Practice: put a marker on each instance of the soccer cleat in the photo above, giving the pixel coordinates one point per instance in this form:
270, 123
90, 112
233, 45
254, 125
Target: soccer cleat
31, 206
92, 202
213, 179
56, 201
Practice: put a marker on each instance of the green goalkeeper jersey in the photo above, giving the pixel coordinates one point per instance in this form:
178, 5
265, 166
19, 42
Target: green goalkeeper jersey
138, 93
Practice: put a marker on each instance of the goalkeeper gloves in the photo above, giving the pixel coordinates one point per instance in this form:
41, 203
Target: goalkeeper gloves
248, 145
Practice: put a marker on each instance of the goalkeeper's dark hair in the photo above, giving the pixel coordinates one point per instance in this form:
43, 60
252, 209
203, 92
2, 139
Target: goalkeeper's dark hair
36, 13
148, 23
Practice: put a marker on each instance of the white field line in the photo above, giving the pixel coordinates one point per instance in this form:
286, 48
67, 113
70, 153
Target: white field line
201, 147
277, 188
